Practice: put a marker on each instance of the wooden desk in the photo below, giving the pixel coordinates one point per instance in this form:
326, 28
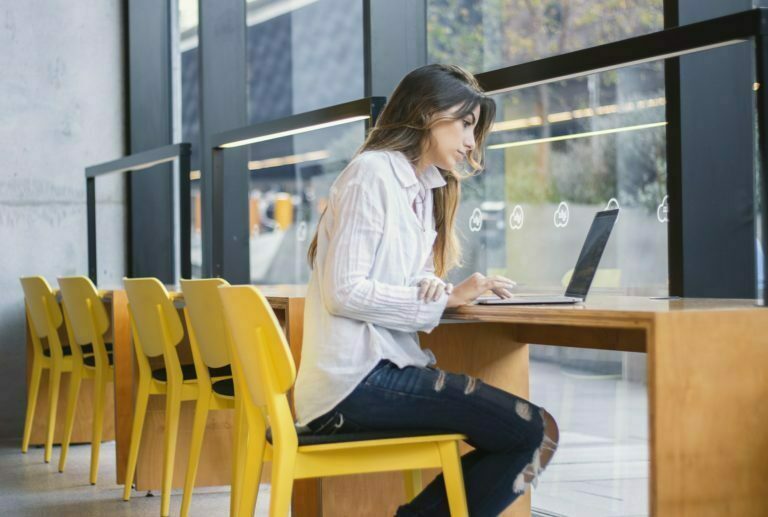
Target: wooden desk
706, 391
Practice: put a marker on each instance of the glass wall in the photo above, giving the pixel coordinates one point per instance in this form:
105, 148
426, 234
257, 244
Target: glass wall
560, 152
289, 183
483, 35
302, 55
557, 154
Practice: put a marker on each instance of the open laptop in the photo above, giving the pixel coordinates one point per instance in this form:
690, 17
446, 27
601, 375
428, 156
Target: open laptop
583, 273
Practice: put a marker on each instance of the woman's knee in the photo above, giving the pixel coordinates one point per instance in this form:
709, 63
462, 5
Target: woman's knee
551, 429
527, 429
551, 438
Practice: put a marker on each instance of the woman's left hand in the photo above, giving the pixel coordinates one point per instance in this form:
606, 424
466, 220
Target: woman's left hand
431, 289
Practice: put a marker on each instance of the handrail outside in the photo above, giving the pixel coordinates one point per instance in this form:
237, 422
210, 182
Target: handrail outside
136, 162
369, 106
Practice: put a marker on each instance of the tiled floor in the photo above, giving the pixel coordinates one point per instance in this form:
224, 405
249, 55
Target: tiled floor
600, 470
31, 488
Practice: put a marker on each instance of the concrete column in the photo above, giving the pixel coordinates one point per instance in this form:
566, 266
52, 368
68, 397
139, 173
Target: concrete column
61, 109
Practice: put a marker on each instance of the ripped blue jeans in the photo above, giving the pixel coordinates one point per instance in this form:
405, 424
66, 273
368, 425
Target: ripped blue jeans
506, 431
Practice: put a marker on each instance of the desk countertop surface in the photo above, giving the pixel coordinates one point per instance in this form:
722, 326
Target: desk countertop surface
597, 310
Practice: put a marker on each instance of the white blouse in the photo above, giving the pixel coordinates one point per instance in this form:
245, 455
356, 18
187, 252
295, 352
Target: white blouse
362, 304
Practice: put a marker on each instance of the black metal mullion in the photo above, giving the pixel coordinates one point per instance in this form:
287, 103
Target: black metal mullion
185, 239
217, 212
675, 247
761, 211
90, 196
648, 47
129, 165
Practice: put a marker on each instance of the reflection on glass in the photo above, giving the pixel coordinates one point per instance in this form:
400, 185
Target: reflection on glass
601, 403
483, 35
290, 179
302, 55
557, 154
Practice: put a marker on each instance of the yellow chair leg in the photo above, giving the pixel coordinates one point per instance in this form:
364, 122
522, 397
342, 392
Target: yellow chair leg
195, 446
454, 478
282, 482
99, 387
413, 484
75, 379
34, 390
172, 410
53, 403
254, 461
239, 451
142, 397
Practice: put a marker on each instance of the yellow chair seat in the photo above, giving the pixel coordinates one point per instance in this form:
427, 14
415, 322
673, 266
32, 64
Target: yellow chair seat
91, 360
88, 349
224, 388
189, 373
368, 441
65, 350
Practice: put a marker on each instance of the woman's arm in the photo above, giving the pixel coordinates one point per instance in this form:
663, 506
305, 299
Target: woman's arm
358, 227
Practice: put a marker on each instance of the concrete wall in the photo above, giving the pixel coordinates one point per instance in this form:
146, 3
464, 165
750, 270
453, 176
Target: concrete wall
61, 109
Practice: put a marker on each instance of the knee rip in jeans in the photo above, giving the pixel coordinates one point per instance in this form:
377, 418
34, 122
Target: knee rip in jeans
440, 381
531, 472
523, 410
471, 385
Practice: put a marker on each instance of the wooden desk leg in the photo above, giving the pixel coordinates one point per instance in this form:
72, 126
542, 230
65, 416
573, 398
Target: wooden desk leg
123, 361
708, 414
487, 351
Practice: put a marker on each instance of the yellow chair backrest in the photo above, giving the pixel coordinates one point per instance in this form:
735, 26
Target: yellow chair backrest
201, 297
153, 312
87, 315
42, 305
262, 353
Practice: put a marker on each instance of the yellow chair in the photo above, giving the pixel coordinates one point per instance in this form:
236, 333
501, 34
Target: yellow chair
208, 337
157, 329
87, 322
44, 316
264, 372
283, 211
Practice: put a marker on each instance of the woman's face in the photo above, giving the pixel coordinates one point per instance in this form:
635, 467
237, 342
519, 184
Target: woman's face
451, 139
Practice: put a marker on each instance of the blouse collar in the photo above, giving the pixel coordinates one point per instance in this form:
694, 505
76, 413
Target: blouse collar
431, 178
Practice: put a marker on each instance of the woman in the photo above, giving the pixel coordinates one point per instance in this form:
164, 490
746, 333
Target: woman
384, 241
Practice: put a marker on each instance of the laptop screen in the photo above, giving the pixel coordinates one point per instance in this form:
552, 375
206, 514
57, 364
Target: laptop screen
591, 252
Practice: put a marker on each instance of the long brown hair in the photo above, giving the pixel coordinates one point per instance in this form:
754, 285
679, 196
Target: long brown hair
404, 125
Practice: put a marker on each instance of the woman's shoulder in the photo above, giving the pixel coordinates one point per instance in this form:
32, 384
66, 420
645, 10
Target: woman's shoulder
369, 168
372, 163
